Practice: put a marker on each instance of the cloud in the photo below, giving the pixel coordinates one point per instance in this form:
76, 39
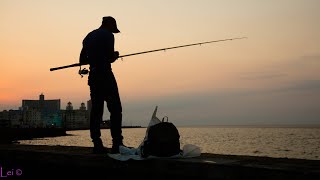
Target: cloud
261, 75
306, 85
304, 61
283, 68
301, 86
294, 103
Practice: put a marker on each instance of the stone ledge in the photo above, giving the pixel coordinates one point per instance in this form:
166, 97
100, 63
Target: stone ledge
46, 162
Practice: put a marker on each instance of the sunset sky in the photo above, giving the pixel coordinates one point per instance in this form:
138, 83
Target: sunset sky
273, 77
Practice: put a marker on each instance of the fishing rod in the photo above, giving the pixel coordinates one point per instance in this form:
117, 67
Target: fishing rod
144, 52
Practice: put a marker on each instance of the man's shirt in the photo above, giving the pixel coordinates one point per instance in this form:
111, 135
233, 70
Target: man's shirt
98, 47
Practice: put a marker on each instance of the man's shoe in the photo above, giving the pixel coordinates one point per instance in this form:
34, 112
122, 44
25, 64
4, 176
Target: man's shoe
115, 149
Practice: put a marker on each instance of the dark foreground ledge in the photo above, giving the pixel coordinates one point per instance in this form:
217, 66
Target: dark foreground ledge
9, 135
52, 162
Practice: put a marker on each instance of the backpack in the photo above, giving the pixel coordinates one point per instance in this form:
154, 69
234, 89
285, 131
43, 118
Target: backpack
163, 140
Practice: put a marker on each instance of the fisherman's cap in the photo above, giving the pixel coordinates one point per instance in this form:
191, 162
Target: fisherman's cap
110, 20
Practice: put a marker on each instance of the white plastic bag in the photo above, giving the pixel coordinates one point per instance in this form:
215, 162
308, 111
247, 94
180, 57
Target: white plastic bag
190, 150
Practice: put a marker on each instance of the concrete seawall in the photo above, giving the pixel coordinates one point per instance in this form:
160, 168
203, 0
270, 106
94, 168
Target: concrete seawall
8, 135
52, 162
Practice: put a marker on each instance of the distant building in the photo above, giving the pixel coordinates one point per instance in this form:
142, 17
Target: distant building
42, 104
16, 118
32, 119
69, 107
47, 113
4, 119
48, 110
83, 107
11, 118
76, 119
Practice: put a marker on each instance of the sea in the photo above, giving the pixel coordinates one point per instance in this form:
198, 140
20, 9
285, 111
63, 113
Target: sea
278, 142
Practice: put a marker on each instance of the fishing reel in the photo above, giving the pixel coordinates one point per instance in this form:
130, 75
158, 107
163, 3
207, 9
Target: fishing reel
83, 72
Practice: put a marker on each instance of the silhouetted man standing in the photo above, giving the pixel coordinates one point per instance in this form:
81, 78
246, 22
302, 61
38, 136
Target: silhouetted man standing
98, 51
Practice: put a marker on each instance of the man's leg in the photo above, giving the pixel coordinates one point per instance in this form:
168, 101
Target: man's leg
115, 125
115, 109
96, 114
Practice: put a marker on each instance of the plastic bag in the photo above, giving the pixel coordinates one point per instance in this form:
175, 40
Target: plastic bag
190, 150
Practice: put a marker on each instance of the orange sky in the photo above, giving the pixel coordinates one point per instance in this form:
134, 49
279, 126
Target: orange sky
281, 52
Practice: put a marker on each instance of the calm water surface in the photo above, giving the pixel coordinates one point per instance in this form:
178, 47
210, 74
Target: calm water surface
302, 143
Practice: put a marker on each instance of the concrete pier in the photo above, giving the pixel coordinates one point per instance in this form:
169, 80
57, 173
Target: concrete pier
9, 135
52, 162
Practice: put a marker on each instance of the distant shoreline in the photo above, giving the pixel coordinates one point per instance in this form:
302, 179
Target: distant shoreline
255, 126
123, 127
223, 126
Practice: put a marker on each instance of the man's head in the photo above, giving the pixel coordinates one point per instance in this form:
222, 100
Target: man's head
110, 23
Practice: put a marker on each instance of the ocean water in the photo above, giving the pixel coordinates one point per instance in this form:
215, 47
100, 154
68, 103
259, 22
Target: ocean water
300, 143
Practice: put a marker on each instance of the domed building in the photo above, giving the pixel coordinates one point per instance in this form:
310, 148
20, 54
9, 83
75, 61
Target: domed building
76, 119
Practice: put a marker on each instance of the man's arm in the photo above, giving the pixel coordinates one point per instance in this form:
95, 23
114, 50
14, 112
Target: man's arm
115, 56
83, 56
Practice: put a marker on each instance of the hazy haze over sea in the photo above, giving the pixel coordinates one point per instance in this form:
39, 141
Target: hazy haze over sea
301, 143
